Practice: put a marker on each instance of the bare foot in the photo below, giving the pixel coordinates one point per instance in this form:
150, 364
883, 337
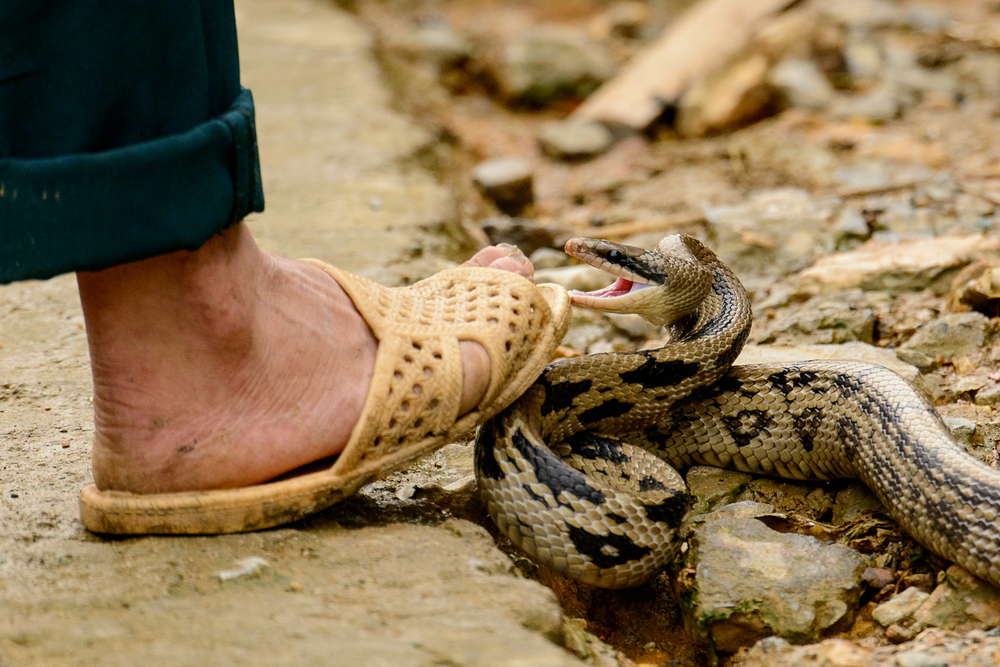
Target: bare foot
228, 366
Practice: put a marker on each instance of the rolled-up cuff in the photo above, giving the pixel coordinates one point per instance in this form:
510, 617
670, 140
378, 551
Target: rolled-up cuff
90, 211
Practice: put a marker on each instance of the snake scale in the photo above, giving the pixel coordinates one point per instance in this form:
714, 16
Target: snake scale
574, 472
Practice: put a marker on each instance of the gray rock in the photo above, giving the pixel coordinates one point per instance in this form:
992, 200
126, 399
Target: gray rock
569, 140
580, 277
588, 647
924, 362
904, 221
506, 181
900, 607
744, 509
778, 298
851, 225
952, 335
635, 326
878, 577
881, 104
802, 83
863, 58
942, 190
547, 62
752, 582
775, 232
437, 44
978, 288
971, 214
962, 429
920, 659
589, 329
729, 98
786, 496
853, 501
444, 480
988, 395
710, 487
898, 633
896, 267
549, 258
962, 602
821, 320
877, 174
969, 384
932, 647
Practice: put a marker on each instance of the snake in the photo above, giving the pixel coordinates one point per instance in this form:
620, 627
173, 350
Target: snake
580, 472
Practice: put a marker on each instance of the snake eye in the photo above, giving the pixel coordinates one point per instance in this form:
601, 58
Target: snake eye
614, 256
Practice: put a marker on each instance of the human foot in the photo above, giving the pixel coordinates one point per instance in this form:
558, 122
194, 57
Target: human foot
227, 366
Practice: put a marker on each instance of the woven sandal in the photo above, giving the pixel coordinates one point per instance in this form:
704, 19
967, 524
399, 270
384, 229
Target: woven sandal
411, 408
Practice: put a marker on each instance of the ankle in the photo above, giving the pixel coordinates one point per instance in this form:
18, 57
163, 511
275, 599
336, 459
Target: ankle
207, 291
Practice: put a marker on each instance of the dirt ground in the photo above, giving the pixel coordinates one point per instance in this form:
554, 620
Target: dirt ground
355, 587
366, 159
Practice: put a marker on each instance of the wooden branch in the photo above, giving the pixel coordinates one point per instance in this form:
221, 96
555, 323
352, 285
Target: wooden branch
664, 224
703, 38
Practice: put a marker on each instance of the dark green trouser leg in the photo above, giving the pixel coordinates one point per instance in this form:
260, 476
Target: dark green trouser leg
124, 132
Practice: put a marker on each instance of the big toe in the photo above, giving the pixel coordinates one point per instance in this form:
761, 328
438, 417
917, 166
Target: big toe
476, 370
505, 257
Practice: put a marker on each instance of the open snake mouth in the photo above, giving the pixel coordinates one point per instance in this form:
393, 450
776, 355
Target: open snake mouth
620, 287
631, 272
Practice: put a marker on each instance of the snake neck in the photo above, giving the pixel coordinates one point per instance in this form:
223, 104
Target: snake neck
621, 392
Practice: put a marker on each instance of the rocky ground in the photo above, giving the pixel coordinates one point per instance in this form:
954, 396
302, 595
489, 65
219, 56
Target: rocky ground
845, 161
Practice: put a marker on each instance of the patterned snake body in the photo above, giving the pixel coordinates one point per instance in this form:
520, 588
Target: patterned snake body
573, 472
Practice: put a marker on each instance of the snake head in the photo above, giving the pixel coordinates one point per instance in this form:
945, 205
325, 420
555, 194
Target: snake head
662, 285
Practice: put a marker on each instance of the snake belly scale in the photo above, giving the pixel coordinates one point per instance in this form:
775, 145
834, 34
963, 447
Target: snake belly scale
575, 471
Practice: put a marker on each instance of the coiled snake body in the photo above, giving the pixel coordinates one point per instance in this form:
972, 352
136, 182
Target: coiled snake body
573, 472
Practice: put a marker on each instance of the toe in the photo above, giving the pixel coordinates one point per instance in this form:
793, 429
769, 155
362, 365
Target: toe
505, 257
476, 371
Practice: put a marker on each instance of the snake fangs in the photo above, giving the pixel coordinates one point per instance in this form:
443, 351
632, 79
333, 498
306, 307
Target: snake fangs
573, 472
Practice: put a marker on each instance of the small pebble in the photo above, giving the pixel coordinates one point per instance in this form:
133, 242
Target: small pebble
295, 587
878, 577
569, 140
899, 608
245, 567
406, 491
65, 444
969, 384
802, 83
920, 659
988, 395
898, 634
507, 181
922, 580
850, 223
924, 363
962, 429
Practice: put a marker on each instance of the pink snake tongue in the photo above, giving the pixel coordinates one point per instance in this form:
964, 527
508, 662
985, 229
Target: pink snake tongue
620, 287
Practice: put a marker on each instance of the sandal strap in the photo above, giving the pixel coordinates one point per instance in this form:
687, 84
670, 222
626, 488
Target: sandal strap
417, 381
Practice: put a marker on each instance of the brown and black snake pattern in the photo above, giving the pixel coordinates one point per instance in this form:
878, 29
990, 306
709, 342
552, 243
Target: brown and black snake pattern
573, 471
